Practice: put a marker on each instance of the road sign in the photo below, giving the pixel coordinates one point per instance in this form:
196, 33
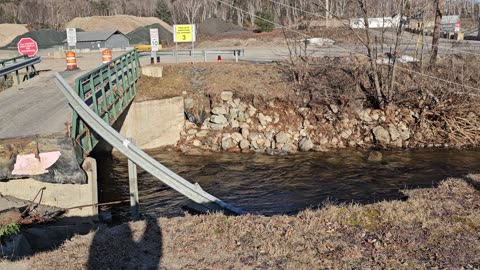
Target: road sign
71, 36
184, 33
154, 40
457, 27
27, 46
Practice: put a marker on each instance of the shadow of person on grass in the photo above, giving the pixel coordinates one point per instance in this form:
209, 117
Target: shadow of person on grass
128, 246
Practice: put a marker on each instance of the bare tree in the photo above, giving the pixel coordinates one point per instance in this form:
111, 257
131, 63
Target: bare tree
439, 9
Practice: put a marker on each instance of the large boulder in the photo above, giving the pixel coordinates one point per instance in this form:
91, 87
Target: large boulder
226, 95
218, 119
381, 135
220, 110
237, 136
244, 144
364, 115
227, 143
305, 144
281, 137
394, 134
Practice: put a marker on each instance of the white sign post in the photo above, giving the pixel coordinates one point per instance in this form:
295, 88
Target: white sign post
71, 37
154, 42
185, 33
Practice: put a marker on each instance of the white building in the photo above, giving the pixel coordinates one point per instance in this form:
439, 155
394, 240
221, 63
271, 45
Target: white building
385, 22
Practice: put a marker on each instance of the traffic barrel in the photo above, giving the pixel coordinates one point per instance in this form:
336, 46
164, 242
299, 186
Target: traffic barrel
106, 56
219, 59
71, 60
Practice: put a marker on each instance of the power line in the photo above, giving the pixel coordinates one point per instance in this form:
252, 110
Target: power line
368, 29
348, 50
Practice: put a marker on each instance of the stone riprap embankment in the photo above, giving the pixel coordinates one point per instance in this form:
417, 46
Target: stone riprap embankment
233, 124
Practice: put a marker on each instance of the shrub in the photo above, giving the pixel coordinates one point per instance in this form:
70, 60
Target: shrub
9, 229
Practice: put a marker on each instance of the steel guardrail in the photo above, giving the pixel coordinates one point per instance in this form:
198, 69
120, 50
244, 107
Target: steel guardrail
239, 52
174, 53
107, 90
135, 154
13, 65
14, 59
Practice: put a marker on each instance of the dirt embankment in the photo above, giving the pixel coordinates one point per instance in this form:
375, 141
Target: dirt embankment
434, 228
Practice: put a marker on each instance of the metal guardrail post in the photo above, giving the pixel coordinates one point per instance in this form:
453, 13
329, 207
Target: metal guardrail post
204, 56
133, 186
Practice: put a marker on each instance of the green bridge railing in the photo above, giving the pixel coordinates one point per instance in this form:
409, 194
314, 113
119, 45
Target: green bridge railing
107, 90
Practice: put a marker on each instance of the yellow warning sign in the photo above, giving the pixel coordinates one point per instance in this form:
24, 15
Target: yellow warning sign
184, 33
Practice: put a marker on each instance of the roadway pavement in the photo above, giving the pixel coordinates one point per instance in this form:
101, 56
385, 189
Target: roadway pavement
37, 107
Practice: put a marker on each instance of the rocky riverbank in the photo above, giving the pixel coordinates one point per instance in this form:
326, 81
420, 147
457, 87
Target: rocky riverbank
232, 123
248, 107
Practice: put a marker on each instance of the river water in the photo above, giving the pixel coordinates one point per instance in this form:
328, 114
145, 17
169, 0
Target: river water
270, 185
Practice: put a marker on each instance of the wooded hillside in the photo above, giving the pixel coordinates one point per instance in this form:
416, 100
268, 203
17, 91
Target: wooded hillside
55, 13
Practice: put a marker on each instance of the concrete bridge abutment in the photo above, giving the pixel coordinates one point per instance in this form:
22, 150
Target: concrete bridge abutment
65, 196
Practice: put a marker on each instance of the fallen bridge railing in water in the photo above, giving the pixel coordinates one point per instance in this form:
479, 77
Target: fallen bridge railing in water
136, 155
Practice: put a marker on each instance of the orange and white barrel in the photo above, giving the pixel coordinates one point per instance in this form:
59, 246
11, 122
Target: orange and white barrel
106, 56
71, 60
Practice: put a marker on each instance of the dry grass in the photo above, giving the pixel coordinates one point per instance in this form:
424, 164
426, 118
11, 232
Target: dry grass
435, 228
263, 81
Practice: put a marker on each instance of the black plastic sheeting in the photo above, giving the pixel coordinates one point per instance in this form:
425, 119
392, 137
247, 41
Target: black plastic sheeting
66, 170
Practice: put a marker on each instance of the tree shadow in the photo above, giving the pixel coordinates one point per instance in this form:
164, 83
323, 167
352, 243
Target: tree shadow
473, 180
135, 245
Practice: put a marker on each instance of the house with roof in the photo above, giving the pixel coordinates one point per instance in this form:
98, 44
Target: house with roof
96, 40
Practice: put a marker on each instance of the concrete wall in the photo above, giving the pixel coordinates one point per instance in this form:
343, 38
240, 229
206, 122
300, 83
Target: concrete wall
154, 123
60, 195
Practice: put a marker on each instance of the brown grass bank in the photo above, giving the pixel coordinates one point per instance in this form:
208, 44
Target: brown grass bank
435, 228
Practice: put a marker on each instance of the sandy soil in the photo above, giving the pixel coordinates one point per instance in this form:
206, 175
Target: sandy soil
123, 23
10, 31
435, 228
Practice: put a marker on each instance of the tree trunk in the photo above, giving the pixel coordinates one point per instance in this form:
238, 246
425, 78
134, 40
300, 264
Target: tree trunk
371, 58
478, 31
439, 6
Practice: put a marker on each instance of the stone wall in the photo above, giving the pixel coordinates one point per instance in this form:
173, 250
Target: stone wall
232, 124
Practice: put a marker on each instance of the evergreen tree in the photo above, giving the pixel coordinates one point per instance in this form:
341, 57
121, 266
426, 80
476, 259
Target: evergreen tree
163, 12
264, 25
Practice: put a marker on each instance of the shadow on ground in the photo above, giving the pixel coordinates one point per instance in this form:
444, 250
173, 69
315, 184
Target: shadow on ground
123, 247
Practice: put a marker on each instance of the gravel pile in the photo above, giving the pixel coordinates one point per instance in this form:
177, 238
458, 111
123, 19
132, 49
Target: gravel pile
141, 35
45, 38
122, 23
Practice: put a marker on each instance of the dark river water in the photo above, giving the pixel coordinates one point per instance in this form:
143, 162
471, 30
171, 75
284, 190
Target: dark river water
271, 185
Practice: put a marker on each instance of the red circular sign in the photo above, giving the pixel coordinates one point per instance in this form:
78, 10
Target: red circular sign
27, 46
